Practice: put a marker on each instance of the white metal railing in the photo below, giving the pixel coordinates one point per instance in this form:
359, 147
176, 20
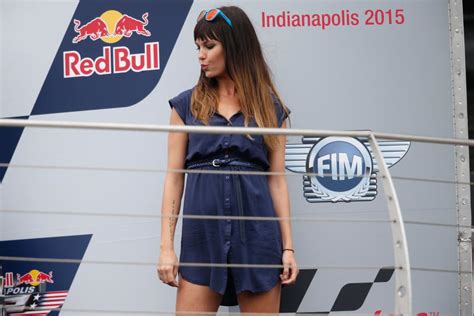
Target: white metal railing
227, 130
403, 295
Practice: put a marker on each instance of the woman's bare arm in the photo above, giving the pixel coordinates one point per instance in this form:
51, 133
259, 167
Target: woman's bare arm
171, 202
281, 202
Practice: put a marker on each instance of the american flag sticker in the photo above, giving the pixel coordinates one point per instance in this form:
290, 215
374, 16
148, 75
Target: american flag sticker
41, 304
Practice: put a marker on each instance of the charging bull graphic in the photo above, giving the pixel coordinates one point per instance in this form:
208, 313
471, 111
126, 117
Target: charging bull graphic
27, 278
43, 277
95, 29
34, 277
127, 25
99, 27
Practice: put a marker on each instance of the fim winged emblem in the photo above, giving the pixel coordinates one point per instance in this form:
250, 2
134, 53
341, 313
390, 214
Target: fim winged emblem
340, 169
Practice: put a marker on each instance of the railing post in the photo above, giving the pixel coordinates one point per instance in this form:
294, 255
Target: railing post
402, 262
460, 121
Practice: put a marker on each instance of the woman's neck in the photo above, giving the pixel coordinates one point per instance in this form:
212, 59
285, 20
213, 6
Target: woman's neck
225, 86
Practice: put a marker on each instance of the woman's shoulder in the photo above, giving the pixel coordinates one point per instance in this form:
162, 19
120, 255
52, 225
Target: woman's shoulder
281, 110
183, 95
181, 103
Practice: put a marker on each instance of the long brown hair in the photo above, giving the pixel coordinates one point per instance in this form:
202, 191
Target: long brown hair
245, 66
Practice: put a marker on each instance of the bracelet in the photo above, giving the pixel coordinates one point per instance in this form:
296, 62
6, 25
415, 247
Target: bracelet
293, 250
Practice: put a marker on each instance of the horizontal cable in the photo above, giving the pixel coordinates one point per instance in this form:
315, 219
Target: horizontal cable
176, 128
236, 217
113, 213
182, 264
430, 180
372, 211
440, 270
219, 265
218, 171
155, 312
435, 224
157, 236
155, 218
128, 312
232, 217
85, 229
226, 130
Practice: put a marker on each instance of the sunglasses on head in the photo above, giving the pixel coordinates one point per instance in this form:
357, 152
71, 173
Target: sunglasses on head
210, 15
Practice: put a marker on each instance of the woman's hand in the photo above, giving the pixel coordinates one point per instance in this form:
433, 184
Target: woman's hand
290, 268
168, 268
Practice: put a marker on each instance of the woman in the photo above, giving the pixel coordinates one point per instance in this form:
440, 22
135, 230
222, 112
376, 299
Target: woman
234, 89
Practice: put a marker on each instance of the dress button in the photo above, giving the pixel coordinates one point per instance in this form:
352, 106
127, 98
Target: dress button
227, 199
226, 156
227, 177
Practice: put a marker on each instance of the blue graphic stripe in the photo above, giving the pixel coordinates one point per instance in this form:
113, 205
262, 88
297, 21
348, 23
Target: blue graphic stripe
10, 137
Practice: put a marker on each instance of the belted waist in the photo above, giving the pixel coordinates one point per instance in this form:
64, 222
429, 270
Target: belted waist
232, 161
222, 162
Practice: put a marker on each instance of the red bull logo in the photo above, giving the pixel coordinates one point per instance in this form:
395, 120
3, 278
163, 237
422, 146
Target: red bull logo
34, 278
111, 27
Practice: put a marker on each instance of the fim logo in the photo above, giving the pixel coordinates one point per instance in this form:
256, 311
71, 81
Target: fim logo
343, 169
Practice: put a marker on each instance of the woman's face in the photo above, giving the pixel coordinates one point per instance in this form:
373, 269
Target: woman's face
211, 57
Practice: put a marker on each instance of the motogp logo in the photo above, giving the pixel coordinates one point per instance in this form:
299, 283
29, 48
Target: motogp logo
340, 169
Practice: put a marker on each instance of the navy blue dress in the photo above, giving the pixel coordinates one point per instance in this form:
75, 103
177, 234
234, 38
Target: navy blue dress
228, 241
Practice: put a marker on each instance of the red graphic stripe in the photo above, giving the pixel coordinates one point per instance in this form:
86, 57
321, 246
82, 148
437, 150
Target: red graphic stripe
49, 299
9, 279
52, 303
47, 308
55, 293
32, 313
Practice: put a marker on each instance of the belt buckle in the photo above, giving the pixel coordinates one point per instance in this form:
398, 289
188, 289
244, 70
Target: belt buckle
215, 163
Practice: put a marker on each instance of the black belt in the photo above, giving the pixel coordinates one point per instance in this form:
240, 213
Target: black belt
217, 163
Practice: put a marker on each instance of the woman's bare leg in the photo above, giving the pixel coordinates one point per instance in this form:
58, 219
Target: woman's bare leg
265, 302
196, 298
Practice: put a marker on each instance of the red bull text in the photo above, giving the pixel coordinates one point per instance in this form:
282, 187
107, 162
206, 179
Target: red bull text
116, 60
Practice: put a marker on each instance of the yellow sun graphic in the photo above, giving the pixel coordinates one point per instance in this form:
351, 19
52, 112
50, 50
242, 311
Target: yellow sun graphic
110, 18
34, 275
